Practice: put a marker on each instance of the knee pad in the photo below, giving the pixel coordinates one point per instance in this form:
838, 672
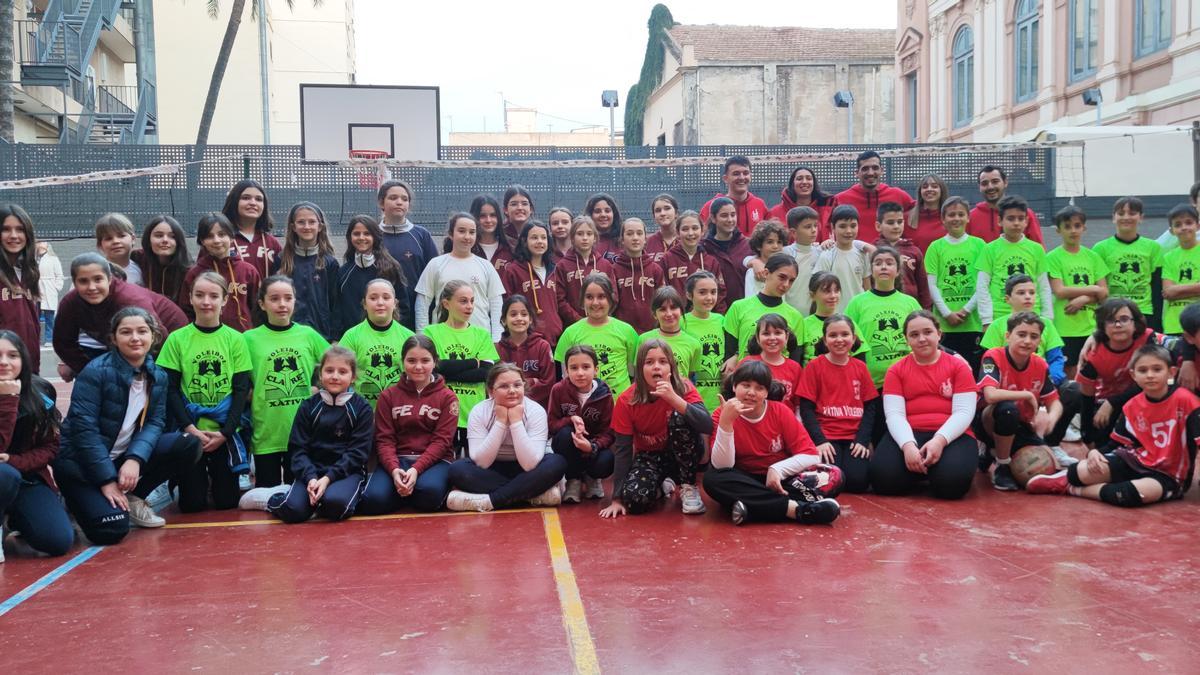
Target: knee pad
1006, 419
107, 530
1121, 494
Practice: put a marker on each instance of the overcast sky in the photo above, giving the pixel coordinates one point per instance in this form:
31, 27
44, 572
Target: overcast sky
553, 55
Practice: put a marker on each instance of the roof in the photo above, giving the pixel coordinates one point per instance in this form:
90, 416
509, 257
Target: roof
786, 44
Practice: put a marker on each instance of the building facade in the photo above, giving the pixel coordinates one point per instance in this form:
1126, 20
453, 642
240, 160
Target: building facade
771, 85
520, 129
999, 70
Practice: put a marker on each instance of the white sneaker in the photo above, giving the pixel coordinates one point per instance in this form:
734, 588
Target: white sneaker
244, 482
551, 497
595, 488
458, 500
668, 487
142, 515
574, 492
257, 498
1071, 435
689, 496
1061, 458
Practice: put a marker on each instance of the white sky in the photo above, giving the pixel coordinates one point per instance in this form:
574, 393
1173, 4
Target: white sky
556, 56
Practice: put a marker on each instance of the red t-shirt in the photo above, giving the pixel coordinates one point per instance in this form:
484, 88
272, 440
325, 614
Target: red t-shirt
1155, 433
788, 375
839, 393
928, 390
647, 422
929, 229
984, 222
998, 370
1107, 371
758, 445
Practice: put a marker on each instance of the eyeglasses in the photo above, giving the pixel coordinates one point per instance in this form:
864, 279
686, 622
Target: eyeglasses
1119, 321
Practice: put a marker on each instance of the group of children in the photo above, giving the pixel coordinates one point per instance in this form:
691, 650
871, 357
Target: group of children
527, 363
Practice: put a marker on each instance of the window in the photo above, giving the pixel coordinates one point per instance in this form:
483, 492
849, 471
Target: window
913, 127
1085, 38
1026, 52
1152, 26
964, 76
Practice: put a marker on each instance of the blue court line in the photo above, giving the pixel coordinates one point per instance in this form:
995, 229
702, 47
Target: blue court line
43, 583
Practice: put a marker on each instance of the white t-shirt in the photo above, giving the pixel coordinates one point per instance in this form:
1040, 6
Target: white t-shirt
489, 250
133, 274
137, 403
849, 266
476, 271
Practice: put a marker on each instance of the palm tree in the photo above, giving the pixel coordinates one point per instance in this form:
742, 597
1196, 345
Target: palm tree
7, 35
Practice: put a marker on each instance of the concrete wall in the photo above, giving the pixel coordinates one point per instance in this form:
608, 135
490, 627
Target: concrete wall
664, 110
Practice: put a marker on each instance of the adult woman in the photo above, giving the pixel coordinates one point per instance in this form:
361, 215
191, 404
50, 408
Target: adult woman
247, 208
925, 221
164, 257
507, 462
366, 260
928, 404
82, 328
114, 451
50, 285
802, 190
20, 279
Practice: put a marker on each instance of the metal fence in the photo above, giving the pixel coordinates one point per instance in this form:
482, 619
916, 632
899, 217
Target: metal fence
68, 211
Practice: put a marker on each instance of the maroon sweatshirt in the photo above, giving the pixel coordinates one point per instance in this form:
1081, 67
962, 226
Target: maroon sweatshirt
678, 267
243, 282
520, 279
27, 455
656, 249
750, 212
261, 252
916, 283
20, 313
535, 357
76, 316
729, 254
637, 279
500, 259
420, 424
596, 412
568, 282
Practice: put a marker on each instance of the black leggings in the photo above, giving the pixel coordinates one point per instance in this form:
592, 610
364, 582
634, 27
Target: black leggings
731, 485
212, 470
950, 478
505, 482
273, 469
598, 464
855, 470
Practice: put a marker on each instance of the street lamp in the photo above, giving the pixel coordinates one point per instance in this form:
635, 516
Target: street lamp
844, 99
608, 99
1094, 97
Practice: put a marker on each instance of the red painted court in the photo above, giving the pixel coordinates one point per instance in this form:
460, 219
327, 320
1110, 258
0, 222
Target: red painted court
997, 582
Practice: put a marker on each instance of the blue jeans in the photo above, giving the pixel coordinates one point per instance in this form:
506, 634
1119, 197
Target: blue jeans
34, 510
47, 325
506, 482
429, 494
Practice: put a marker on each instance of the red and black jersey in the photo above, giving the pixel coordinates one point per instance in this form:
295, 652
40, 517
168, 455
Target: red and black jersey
998, 370
1107, 371
1161, 435
788, 375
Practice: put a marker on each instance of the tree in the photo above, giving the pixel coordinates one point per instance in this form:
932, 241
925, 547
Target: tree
7, 35
652, 67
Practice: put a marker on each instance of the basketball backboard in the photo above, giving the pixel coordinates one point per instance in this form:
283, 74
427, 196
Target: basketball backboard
404, 122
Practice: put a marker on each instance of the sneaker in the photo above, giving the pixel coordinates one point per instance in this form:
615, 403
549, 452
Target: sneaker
739, 513
244, 482
551, 497
258, 498
821, 512
574, 492
1002, 478
142, 515
458, 500
1071, 435
159, 497
668, 487
1062, 458
595, 488
689, 497
1049, 484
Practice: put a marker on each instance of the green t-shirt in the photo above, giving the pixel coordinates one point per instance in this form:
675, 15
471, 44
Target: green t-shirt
616, 346
378, 355
282, 364
206, 361
1085, 268
685, 348
879, 320
1181, 266
743, 315
814, 332
1001, 259
994, 337
953, 266
1130, 268
710, 333
471, 342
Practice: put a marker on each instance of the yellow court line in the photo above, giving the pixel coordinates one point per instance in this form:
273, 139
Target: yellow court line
583, 650
389, 516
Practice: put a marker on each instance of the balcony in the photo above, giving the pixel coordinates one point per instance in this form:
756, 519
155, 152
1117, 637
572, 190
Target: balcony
49, 53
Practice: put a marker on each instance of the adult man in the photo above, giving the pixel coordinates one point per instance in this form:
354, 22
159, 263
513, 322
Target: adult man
985, 218
750, 209
869, 193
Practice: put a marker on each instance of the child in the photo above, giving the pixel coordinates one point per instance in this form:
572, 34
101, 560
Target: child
527, 348
1134, 262
744, 314
283, 363
559, 219
665, 210
950, 269
208, 383
1181, 268
410, 244
768, 239
803, 223
579, 262
880, 314
890, 218
847, 260
668, 308
614, 340
1153, 449
376, 341
492, 242
686, 255
415, 422
21, 281
329, 445
1104, 373
1014, 382
708, 328
726, 243
531, 274
249, 211
839, 404
308, 259
518, 209
1167, 240
658, 424
458, 264
1020, 295
214, 233
824, 292
580, 417
771, 344
164, 257
366, 260
1077, 279
114, 239
467, 351
1012, 253
606, 217
636, 277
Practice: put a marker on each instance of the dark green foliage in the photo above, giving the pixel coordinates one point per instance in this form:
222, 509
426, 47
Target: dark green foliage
651, 77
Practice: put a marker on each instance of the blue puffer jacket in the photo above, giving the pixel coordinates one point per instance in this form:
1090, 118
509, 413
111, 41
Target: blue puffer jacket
98, 404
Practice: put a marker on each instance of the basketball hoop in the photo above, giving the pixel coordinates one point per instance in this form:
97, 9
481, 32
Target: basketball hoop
370, 177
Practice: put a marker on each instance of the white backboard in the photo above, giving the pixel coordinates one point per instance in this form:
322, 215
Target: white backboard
404, 122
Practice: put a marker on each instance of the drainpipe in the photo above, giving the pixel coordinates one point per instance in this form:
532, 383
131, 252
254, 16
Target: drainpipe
263, 46
143, 45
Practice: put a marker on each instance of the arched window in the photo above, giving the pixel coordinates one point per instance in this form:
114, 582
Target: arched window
1026, 50
1152, 26
1085, 38
964, 76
